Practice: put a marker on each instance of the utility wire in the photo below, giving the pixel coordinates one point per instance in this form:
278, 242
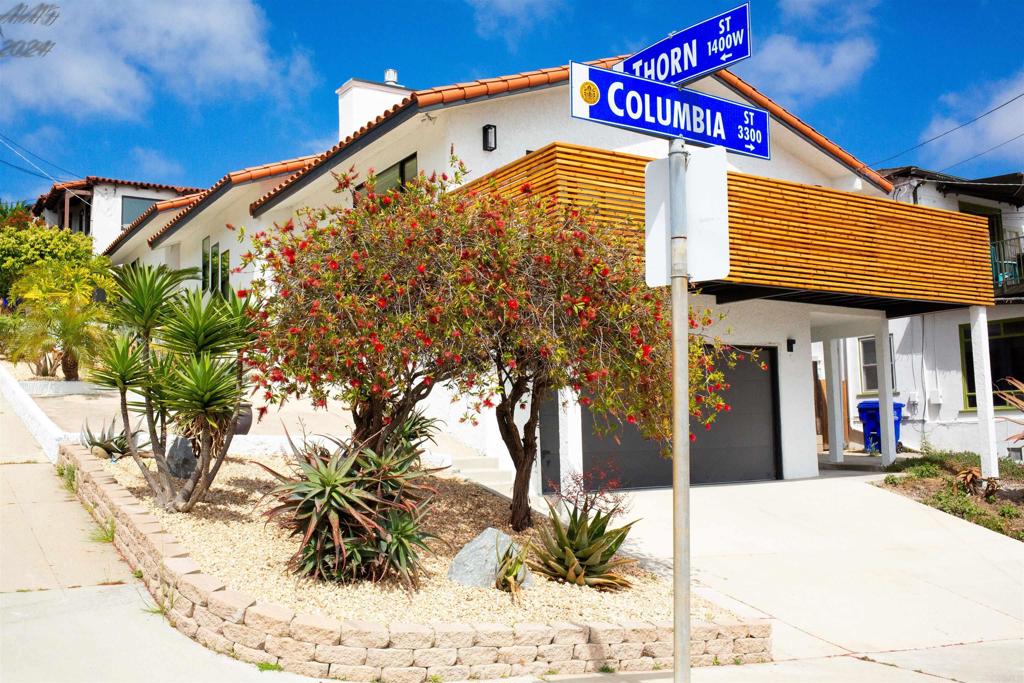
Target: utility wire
951, 130
990, 149
6, 144
43, 159
23, 169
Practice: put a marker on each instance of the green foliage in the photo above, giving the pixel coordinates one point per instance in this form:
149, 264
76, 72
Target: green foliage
26, 241
110, 438
269, 666
10, 322
925, 470
511, 570
582, 551
137, 573
1009, 511
359, 513
955, 502
105, 532
203, 394
893, 480
606, 669
68, 474
990, 522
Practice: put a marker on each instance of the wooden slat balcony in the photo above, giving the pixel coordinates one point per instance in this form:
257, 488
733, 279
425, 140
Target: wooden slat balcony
790, 241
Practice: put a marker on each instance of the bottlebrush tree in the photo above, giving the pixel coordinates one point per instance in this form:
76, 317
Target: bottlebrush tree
357, 302
555, 299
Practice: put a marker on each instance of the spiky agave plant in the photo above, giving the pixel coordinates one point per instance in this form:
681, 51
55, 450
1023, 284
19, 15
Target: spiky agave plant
582, 551
110, 438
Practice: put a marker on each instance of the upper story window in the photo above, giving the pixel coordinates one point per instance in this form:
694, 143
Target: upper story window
132, 208
394, 176
216, 270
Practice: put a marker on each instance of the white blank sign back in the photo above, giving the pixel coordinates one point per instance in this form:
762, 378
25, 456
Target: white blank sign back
707, 218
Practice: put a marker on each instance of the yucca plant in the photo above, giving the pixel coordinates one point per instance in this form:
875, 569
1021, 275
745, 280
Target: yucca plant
183, 355
359, 513
582, 550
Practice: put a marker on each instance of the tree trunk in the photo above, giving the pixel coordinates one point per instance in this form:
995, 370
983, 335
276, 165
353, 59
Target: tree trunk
522, 447
521, 517
69, 365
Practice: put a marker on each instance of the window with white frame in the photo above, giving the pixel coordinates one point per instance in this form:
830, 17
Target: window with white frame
216, 269
869, 365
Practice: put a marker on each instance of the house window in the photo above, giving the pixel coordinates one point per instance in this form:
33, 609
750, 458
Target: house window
206, 264
869, 365
1006, 351
132, 208
225, 273
216, 268
394, 176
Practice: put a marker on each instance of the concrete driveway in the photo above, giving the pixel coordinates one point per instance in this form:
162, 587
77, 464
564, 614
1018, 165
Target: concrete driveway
843, 567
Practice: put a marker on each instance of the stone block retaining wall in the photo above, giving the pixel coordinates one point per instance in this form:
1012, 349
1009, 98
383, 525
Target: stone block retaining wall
237, 624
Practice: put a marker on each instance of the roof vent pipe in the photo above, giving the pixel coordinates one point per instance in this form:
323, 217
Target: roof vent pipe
391, 76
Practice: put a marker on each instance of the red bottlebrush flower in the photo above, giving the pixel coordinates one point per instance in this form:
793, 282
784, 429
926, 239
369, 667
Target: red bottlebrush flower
385, 200
526, 188
421, 269
693, 437
332, 264
260, 412
630, 419
513, 304
727, 407
242, 293
584, 401
294, 330
382, 303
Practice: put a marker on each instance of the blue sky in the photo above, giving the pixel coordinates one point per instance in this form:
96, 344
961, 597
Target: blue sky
182, 91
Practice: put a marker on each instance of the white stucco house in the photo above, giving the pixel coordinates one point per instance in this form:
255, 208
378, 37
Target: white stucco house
102, 207
776, 300
932, 354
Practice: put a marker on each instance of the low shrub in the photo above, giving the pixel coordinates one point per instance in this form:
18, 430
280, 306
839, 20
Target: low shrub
955, 502
582, 551
925, 470
1008, 511
359, 512
989, 522
893, 480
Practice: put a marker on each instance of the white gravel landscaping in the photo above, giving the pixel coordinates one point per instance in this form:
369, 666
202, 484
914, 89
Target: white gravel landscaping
227, 536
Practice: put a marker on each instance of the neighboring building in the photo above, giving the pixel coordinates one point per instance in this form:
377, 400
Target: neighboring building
932, 364
799, 222
102, 207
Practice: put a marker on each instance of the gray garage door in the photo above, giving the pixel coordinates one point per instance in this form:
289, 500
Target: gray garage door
741, 446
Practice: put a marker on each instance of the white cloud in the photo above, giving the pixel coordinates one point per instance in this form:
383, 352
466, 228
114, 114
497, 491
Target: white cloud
797, 72
510, 19
839, 16
994, 129
152, 165
111, 56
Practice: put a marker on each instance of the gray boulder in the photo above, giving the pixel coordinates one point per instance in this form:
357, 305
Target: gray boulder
180, 457
477, 563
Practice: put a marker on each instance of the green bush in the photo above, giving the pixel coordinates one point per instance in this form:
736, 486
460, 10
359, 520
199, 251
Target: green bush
582, 551
1008, 511
359, 513
989, 522
955, 502
25, 241
893, 480
925, 470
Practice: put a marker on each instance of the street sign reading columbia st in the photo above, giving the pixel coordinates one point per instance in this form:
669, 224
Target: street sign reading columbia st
696, 51
620, 99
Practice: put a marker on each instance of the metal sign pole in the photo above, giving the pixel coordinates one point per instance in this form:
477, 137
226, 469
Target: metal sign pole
680, 413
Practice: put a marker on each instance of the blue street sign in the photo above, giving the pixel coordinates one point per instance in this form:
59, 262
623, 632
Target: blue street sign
625, 101
712, 44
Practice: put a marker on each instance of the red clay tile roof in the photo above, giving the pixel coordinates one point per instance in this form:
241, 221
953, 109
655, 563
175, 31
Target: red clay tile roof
92, 180
486, 87
245, 175
145, 216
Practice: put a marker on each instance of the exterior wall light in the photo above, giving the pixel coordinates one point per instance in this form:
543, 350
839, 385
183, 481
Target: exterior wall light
490, 137
790, 345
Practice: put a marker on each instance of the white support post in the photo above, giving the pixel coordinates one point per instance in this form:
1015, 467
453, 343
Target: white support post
570, 434
834, 397
887, 429
983, 390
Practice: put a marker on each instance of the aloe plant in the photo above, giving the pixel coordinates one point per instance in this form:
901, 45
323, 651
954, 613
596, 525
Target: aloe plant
582, 550
110, 438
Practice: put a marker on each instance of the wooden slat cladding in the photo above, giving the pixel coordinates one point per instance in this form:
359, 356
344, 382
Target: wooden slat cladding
785, 234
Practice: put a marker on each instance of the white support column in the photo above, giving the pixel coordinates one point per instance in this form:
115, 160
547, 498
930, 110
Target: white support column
570, 434
983, 390
834, 397
887, 429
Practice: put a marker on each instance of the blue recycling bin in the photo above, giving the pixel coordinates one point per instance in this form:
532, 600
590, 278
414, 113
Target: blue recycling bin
871, 420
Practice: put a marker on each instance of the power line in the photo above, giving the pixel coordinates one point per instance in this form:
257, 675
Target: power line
23, 169
43, 159
951, 130
6, 144
990, 149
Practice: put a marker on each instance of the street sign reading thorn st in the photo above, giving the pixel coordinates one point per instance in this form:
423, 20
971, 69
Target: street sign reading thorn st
620, 99
696, 51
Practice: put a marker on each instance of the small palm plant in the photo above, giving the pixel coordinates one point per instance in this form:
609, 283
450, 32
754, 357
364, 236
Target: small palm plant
183, 355
582, 551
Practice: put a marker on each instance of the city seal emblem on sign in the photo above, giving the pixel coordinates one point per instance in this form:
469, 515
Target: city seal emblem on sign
589, 92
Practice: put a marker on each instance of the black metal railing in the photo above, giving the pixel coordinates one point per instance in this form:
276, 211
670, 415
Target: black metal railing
1008, 266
